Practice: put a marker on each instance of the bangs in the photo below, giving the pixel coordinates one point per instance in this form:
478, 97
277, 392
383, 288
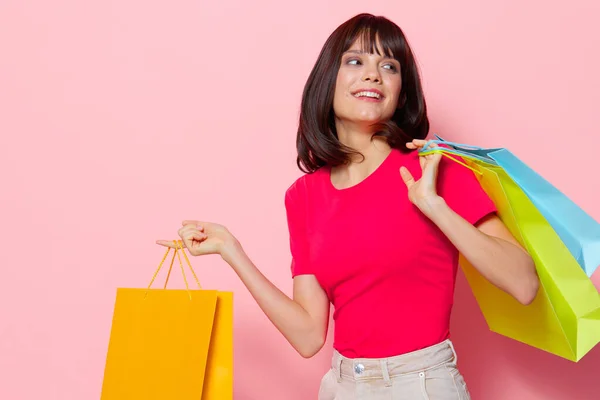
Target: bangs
376, 34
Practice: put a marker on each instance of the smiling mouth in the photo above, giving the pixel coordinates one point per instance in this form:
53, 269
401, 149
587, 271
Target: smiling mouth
369, 95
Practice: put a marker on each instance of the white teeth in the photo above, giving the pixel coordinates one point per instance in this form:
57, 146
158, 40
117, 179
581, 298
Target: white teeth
368, 94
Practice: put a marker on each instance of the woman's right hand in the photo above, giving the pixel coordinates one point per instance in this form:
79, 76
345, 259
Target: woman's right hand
201, 238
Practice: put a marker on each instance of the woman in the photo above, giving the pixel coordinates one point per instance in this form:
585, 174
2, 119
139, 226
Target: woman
375, 229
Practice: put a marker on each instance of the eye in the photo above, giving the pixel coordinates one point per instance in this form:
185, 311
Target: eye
353, 61
390, 66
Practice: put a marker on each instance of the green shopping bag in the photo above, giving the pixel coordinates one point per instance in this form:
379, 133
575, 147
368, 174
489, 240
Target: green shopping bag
564, 318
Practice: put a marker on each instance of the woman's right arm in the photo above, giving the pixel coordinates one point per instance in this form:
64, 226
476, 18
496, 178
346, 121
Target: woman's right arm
303, 320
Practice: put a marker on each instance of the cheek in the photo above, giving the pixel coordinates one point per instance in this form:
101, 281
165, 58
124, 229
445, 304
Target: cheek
341, 83
396, 86
337, 98
342, 86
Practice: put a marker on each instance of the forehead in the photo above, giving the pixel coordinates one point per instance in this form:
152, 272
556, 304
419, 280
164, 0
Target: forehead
370, 45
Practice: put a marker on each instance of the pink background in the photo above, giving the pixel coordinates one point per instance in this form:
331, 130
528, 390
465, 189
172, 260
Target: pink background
121, 118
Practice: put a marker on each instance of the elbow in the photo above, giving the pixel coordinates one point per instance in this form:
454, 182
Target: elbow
529, 288
311, 347
308, 353
526, 298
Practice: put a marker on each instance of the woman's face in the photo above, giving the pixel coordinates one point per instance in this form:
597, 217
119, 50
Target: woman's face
367, 87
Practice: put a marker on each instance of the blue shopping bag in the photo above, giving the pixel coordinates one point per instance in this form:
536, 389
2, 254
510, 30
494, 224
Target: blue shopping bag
578, 230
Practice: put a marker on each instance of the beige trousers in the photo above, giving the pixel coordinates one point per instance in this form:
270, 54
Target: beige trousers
426, 374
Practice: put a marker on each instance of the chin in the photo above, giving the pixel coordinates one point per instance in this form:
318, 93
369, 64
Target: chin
373, 116
370, 119
365, 117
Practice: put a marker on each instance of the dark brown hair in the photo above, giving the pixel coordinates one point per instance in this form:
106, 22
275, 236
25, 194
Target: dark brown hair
317, 141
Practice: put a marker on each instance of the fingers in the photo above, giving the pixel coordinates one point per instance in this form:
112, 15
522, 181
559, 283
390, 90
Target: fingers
188, 236
418, 143
174, 244
407, 177
167, 243
189, 232
197, 224
187, 241
192, 235
415, 144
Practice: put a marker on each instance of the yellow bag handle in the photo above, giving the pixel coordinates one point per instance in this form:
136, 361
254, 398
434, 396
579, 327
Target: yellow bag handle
178, 246
445, 154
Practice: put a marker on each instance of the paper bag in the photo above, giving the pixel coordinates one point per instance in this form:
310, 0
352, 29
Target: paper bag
170, 344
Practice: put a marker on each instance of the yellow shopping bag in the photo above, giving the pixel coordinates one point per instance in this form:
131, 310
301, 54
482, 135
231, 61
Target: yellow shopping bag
564, 318
170, 344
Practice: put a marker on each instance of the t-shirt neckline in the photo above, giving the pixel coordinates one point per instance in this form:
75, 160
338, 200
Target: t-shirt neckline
362, 183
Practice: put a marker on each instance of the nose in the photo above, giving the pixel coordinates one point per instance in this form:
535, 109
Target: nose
371, 74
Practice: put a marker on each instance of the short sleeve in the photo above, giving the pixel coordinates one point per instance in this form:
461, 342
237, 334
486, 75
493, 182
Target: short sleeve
463, 193
296, 219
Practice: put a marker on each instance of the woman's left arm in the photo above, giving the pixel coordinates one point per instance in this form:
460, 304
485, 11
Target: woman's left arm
489, 246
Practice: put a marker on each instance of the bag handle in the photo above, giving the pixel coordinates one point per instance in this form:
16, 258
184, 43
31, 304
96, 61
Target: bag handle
178, 249
439, 140
446, 153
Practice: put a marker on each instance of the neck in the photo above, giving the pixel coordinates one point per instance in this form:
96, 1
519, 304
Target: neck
360, 138
374, 150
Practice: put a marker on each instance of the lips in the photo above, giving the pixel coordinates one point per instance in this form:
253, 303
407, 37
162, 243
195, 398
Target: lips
368, 94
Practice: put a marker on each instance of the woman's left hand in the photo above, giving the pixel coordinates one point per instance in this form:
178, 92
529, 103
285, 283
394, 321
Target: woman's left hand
422, 193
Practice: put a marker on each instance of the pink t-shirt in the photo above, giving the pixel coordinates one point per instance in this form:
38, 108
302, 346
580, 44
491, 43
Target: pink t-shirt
387, 269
